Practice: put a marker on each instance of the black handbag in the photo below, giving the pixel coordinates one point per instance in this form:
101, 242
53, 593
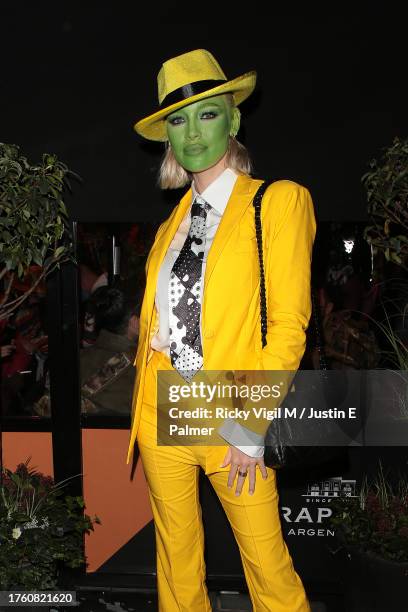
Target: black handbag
290, 442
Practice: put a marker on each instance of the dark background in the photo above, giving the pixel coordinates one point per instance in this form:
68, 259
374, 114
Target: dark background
76, 76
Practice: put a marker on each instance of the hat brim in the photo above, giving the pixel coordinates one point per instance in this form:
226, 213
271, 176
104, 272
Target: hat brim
153, 127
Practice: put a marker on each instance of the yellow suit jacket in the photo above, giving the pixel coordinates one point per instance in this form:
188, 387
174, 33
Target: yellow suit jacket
230, 310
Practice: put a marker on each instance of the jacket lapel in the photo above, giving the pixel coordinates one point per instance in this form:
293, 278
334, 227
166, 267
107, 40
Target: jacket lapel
240, 199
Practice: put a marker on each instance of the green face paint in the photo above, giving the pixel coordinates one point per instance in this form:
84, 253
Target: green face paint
199, 132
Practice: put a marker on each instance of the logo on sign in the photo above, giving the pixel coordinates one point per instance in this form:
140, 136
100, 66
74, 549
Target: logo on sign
309, 520
332, 487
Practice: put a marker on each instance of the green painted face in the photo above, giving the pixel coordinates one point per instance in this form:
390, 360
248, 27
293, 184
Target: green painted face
199, 132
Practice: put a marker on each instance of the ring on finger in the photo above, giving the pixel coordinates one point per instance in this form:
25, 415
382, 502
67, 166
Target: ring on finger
243, 474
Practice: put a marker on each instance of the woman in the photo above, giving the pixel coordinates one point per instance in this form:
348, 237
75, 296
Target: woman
201, 312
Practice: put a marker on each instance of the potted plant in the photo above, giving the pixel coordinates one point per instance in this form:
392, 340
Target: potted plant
34, 227
372, 531
41, 530
387, 195
386, 184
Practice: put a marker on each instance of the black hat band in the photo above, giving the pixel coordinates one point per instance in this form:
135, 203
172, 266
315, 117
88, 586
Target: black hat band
189, 90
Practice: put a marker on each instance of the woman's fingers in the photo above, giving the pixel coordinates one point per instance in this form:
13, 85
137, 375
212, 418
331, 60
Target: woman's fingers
251, 477
244, 472
244, 468
232, 473
262, 467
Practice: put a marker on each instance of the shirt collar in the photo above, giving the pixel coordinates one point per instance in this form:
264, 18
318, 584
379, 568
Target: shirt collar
219, 191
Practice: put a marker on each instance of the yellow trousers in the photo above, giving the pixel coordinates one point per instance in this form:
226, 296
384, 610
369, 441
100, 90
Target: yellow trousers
172, 475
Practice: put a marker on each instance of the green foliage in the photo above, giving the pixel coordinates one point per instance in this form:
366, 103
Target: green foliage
397, 355
377, 521
387, 194
33, 216
40, 529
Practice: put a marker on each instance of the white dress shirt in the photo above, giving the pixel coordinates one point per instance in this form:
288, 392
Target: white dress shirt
217, 195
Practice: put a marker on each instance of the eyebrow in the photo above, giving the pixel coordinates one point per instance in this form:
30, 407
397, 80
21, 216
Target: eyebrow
203, 105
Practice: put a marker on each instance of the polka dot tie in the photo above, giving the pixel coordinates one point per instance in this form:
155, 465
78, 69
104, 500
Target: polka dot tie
186, 352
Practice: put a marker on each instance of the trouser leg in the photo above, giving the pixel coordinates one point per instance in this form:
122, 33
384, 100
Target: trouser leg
172, 474
273, 584
173, 491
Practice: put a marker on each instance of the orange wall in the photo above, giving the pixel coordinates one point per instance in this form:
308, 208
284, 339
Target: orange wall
122, 504
19, 446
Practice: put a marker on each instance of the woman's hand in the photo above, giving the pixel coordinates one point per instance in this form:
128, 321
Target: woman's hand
240, 462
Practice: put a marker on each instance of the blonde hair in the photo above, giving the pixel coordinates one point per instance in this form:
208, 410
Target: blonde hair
173, 176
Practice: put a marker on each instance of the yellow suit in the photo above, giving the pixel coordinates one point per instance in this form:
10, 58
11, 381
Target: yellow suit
230, 310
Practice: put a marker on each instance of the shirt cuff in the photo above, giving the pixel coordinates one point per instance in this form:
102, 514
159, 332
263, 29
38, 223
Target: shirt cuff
247, 441
252, 451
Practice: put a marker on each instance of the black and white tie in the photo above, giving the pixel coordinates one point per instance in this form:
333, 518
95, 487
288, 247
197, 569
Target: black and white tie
184, 296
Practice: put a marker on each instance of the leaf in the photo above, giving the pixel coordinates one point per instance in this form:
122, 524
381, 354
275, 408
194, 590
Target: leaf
44, 186
59, 251
396, 258
32, 214
37, 259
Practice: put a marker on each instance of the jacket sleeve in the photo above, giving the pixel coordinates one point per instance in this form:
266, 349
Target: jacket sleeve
288, 275
289, 229
249, 442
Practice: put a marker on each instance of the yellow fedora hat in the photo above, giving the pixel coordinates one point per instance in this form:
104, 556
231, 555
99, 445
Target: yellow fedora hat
188, 78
